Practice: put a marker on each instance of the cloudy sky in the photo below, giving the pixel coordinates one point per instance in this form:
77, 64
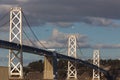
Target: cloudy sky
96, 23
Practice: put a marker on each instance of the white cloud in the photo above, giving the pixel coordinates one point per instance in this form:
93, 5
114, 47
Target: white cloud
62, 24
99, 21
60, 40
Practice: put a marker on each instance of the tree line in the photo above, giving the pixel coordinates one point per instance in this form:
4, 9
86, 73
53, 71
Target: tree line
113, 66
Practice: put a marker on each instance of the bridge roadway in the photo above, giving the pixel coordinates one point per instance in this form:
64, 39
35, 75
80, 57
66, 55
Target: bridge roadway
43, 52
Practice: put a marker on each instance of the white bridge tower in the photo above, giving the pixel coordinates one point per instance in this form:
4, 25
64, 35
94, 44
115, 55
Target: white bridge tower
96, 61
72, 72
15, 57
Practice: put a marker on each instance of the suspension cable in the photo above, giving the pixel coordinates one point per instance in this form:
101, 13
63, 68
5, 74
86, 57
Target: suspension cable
64, 46
32, 30
5, 23
4, 16
79, 47
28, 38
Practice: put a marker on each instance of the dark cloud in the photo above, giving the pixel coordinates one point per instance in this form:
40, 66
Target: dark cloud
74, 9
106, 46
97, 21
69, 11
6, 2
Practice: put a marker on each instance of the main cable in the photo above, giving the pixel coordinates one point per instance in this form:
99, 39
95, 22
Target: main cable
4, 16
64, 47
28, 37
5, 23
32, 30
79, 47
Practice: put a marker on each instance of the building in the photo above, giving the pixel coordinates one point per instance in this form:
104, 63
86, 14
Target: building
3, 73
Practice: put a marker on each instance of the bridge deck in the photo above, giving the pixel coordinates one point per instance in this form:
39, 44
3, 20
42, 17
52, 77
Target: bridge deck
43, 52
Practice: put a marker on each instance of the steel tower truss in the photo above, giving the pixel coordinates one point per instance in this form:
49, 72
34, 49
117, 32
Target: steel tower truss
15, 57
72, 72
96, 61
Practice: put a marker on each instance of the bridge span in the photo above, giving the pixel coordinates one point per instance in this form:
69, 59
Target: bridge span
55, 55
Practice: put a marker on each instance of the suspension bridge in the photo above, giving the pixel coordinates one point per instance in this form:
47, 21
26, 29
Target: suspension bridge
16, 47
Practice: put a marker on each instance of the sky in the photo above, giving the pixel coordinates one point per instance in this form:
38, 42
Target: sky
96, 23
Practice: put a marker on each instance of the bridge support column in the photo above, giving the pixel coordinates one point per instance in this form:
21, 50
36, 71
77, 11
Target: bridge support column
15, 57
96, 61
72, 72
55, 66
48, 68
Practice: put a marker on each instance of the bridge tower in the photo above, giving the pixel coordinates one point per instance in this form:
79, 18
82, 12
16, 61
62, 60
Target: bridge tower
72, 72
15, 57
96, 61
